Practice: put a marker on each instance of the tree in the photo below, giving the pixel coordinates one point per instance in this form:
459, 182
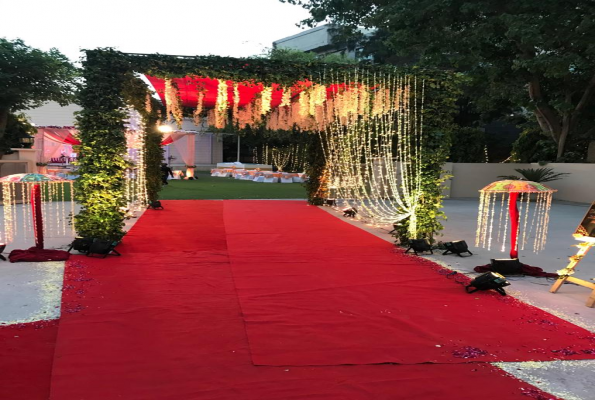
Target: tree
30, 77
543, 47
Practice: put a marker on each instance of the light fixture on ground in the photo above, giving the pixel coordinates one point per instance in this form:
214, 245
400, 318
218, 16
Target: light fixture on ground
349, 212
103, 248
81, 245
456, 247
155, 205
487, 281
91, 246
419, 246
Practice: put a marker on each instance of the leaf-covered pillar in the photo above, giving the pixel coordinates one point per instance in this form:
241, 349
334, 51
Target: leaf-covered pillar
100, 187
436, 109
153, 160
317, 184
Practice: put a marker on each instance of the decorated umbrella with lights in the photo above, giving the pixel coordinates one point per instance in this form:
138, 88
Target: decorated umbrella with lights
42, 191
514, 195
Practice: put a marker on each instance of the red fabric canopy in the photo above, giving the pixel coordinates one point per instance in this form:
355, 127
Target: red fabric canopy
60, 135
189, 86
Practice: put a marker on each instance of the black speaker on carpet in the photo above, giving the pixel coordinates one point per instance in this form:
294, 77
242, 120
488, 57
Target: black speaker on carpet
457, 247
2, 247
349, 212
506, 266
487, 281
81, 245
103, 248
331, 202
155, 205
419, 246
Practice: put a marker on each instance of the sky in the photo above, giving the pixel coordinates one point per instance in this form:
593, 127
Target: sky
237, 28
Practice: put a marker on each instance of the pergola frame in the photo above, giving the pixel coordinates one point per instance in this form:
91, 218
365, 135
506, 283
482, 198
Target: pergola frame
111, 85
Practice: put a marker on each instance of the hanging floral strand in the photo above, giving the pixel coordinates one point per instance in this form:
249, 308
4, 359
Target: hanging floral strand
172, 103
199, 106
221, 105
267, 96
236, 103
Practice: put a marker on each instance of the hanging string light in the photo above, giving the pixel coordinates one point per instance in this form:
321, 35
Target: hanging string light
281, 156
135, 187
236, 102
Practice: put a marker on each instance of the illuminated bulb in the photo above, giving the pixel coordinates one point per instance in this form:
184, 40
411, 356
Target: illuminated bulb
165, 129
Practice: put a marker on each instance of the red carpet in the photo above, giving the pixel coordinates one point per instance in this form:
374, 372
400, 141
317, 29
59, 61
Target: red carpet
26, 357
163, 321
316, 291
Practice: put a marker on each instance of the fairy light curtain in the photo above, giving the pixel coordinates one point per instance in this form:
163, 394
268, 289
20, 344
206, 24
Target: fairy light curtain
57, 206
373, 143
512, 205
370, 126
135, 181
285, 158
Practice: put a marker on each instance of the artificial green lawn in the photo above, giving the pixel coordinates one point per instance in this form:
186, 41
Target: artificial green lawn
208, 187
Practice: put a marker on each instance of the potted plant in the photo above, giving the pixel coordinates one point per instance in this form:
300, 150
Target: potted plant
539, 175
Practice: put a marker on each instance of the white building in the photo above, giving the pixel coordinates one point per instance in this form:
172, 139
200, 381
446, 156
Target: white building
317, 40
208, 146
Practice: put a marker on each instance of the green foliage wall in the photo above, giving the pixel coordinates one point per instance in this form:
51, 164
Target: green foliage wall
100, 187
316, 186
153, 160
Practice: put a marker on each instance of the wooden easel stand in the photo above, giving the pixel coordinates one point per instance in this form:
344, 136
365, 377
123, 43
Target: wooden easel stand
574, 260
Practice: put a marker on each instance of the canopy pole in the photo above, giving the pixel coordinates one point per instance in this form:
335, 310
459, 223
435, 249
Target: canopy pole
514, 225
37, 215
238, 148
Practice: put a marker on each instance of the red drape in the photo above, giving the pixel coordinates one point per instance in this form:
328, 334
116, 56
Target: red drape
189, 87
169, 138
514, 225
37, 215
60, 135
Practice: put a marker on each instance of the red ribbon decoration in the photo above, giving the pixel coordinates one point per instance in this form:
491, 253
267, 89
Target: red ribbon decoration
37, 216
514, 224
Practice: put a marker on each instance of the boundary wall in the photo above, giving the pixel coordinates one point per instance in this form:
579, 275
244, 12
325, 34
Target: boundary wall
468, 178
